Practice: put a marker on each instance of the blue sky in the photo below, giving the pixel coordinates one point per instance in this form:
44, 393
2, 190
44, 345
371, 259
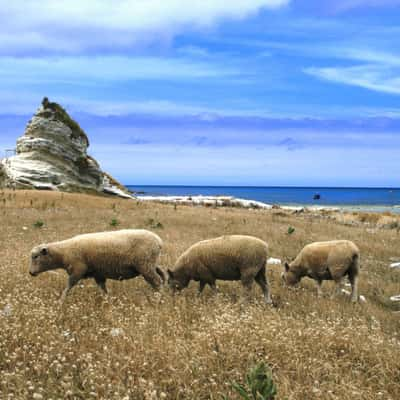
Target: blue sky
258, 92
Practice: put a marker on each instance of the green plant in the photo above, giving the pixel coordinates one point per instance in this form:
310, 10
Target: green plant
259, 384
114, 222
63, 116
38, 224
290, 230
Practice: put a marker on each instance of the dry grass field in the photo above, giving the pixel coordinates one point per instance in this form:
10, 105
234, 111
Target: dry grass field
141, 344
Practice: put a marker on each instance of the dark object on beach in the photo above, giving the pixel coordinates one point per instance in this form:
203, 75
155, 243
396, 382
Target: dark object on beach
317, 196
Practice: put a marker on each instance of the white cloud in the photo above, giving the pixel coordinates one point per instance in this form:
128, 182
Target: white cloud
373, 77
368, 55
378, 71
75, 25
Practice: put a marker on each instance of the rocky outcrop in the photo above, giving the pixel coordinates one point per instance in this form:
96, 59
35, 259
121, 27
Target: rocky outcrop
52, 155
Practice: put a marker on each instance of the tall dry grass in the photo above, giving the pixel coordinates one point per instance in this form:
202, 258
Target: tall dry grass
139, 344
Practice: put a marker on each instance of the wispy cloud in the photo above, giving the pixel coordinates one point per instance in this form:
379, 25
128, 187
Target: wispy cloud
371, 76
73, 26
374, 70
367, 55
108, 68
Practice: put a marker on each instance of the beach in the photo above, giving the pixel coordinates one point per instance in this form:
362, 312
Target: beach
223, 201
381, 200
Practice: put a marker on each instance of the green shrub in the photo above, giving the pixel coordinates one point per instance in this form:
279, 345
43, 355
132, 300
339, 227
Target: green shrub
38, 224
114, 222
290, 230
62, 116
259, 384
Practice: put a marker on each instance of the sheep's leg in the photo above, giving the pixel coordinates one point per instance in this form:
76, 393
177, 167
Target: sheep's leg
101, 283
202, 284
353, 278
213, 287
72, 281
338, 288
247, 283
262, 280
319, 288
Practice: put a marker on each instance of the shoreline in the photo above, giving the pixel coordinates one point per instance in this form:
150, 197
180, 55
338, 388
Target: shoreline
231, 201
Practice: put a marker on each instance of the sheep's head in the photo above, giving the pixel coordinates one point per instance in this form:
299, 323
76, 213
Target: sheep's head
41, 260
288, 276
176, 282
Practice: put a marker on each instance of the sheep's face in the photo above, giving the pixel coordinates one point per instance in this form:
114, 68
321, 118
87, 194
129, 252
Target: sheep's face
288, 276
162, 273
176, 283
41, 260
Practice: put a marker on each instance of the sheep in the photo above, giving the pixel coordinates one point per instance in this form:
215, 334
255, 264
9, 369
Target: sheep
230, 258
331, 260
117, 255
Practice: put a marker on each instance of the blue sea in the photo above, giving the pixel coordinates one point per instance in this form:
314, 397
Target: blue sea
366, 198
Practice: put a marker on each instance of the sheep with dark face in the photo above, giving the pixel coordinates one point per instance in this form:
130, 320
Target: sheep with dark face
117, 255
230, 258
331, 260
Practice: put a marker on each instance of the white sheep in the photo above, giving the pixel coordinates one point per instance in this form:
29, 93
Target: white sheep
321, 261
117, 255
230, 258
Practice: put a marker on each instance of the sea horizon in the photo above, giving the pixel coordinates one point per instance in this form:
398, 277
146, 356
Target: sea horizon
372, 199
268, 186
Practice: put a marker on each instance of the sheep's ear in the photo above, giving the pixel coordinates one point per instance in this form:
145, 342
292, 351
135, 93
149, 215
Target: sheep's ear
170, 273
286, 267
44, 251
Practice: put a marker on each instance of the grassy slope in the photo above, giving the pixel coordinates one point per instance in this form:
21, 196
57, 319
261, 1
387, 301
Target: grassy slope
185, 347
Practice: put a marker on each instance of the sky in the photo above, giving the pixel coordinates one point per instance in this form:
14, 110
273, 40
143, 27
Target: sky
210, 92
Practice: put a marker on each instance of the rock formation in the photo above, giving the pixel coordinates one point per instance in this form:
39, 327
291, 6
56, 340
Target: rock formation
52, 155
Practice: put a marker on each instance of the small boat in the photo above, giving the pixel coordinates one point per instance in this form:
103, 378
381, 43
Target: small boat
317, 196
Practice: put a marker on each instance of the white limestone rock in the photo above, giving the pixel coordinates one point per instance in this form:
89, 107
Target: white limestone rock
52, 155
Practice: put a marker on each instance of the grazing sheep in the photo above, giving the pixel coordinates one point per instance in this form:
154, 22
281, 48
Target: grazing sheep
230, 258
326, 261
118, 255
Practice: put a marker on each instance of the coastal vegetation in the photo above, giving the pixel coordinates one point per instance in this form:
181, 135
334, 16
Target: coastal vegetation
137, 343
61, 115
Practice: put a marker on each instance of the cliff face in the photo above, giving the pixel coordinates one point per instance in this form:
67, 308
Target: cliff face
52, 155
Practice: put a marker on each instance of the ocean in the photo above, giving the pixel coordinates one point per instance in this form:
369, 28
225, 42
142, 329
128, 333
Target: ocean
379, 199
